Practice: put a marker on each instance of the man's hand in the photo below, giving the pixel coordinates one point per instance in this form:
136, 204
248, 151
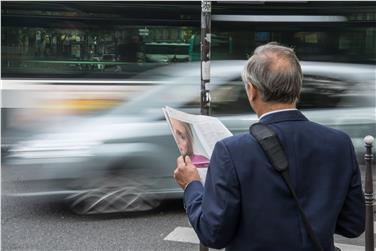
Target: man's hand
185, 172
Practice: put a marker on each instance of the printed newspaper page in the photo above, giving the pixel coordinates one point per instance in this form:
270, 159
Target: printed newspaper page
195, 136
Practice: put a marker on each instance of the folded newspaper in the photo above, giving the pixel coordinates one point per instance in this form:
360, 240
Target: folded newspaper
195, 136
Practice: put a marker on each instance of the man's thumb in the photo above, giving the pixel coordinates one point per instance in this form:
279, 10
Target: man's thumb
188, 160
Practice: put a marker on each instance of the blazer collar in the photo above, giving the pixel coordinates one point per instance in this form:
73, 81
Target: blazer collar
283, 116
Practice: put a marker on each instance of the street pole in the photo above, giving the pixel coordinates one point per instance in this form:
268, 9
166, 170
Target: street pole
368, 157
205, 56
205, 64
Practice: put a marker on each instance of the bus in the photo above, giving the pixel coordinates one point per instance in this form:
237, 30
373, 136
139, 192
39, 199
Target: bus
69, 39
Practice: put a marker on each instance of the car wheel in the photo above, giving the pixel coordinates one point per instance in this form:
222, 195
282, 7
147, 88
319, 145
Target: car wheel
114, 193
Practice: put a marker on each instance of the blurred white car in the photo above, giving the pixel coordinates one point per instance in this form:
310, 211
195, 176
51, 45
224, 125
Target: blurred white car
123, 160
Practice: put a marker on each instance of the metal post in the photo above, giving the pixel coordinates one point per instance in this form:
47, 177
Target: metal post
368, 157
205, 64
205, 56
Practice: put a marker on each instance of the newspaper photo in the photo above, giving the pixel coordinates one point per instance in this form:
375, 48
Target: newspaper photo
195, 136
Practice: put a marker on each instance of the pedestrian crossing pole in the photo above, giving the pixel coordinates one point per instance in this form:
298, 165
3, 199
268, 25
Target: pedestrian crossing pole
205, 64
368, 189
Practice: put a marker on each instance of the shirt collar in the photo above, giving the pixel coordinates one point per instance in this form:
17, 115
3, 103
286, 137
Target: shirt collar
276, 111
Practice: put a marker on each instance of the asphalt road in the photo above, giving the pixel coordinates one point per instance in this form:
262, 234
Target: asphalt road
37, 224
30, 224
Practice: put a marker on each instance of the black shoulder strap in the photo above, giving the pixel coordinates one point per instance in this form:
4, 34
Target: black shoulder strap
273, 148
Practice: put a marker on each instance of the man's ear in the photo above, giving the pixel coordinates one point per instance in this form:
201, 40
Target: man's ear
252, 92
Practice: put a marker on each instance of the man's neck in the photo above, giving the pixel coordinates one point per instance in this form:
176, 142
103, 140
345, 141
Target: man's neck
268, 107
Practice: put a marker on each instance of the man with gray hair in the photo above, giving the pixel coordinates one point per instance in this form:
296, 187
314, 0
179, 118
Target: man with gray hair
245, 204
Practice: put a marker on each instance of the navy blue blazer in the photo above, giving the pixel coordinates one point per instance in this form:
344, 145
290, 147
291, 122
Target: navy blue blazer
246, 205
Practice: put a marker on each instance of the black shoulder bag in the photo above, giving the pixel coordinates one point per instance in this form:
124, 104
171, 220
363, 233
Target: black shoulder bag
273, 148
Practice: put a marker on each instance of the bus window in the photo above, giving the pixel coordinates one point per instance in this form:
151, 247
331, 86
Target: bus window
91, 39
221, 46
166, 52
75, 39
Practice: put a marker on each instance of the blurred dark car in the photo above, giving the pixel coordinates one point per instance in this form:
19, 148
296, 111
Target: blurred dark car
123, 160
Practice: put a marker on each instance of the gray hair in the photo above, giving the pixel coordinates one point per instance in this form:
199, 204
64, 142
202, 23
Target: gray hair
275, 71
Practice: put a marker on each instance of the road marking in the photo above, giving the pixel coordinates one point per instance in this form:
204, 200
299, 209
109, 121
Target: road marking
188, 235
183, 234
347, 247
